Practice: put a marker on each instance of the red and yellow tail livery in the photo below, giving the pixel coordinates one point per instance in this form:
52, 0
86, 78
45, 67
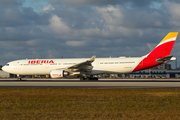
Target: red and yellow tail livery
160, 52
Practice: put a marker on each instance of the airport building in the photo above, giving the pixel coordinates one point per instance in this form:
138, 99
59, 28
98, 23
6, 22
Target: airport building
4, 74
161, 71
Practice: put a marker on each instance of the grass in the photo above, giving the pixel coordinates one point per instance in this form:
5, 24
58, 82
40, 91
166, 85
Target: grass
96, 104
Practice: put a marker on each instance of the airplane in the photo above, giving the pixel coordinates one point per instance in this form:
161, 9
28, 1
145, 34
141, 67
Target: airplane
86, 68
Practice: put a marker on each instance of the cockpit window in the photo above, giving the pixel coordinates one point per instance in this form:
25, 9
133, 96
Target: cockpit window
7, 65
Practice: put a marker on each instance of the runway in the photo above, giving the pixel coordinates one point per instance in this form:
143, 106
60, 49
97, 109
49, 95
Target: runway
103, 83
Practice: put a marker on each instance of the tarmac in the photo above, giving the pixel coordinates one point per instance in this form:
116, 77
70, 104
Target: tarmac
101, 83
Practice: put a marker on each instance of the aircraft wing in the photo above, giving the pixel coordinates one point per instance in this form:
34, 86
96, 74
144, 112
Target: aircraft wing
83, 66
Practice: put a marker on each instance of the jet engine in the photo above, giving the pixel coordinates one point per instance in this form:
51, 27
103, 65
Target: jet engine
58, 73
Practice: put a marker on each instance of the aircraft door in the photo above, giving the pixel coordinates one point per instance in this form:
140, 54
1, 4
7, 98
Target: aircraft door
97, 64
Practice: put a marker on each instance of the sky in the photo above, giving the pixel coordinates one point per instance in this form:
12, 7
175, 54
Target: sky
46, 29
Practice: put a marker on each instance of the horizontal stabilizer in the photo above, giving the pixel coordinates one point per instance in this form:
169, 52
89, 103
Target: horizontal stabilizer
165, 59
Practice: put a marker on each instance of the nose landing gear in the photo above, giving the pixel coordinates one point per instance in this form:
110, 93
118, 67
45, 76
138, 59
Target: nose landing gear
19, 78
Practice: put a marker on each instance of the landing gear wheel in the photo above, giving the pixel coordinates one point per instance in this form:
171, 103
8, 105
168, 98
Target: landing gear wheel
88, 79
19, 79
95, 78
82, 78
92, 78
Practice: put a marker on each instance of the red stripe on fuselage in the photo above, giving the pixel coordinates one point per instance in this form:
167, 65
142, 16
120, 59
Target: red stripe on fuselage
146, 63
160, 51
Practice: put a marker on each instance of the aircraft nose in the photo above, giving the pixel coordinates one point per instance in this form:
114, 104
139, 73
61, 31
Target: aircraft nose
3, 68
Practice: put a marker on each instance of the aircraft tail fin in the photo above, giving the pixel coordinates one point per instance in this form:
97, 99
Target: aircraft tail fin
160, 54
164, 48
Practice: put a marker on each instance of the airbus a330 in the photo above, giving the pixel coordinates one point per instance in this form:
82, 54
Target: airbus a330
86, 68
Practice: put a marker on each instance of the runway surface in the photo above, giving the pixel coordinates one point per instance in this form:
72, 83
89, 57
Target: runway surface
102, 83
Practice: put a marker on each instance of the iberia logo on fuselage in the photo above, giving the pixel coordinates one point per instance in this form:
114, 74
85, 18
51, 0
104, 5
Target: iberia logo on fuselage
40, 61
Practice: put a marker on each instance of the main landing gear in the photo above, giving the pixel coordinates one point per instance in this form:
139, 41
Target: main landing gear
19, 78
91, 78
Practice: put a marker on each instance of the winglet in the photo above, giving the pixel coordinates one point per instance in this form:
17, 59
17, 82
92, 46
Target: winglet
92, 58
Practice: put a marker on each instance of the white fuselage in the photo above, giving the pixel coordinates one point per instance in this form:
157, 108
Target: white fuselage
80, 67
100, 65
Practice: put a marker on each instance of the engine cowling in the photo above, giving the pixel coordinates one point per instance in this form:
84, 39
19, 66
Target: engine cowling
58, 73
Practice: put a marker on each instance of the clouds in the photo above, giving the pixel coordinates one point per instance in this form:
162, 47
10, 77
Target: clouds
47, 8
19, 16
75, 43
111, 14
90, 2
173, 9
137, 3
9, 2
82, 28
58, 26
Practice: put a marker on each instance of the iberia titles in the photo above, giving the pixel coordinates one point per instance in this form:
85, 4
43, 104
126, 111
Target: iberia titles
40, 61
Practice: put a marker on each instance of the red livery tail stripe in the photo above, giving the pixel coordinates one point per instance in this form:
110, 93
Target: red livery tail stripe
163, 49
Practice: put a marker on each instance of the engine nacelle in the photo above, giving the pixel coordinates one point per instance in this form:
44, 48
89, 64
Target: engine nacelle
58, 73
